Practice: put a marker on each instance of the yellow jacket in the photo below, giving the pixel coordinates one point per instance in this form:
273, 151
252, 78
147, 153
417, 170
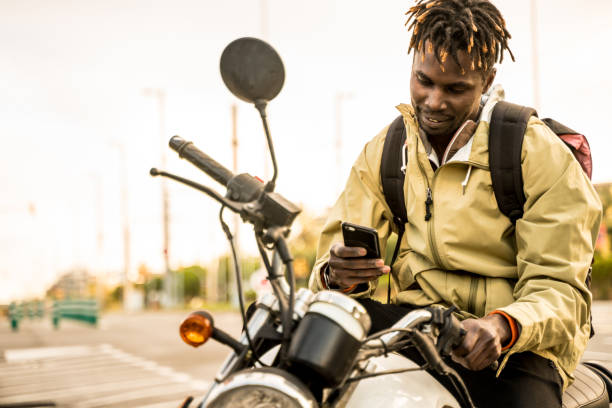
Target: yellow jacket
469, 254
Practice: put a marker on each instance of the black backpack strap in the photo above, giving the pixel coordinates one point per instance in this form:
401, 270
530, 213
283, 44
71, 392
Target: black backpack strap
392, 180
398, 243
392, 177
506, 132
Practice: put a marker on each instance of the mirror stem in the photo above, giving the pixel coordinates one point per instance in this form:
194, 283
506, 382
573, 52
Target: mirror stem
261, 105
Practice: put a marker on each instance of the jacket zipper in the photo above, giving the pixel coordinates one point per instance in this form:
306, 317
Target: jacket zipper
431, 232
428, 203
471, 307
429, 199
428, 212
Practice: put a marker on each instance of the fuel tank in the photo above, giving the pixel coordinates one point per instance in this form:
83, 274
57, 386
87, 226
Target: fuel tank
410, 389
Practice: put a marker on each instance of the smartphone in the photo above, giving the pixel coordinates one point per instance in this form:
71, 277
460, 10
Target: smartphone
360, 236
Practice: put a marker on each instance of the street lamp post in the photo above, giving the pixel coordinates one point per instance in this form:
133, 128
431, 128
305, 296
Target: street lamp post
99, 237
170, 284
124, 220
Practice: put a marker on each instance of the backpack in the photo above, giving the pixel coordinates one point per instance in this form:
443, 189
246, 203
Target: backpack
506, 132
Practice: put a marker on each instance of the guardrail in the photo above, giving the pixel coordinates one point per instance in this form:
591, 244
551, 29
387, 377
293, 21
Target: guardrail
84, 310
18, 312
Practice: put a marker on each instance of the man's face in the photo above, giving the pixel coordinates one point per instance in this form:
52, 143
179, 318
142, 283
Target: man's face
443, 101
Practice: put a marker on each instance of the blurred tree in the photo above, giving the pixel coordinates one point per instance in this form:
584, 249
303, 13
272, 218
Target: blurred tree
601, 285
116, 295
193, 278
156, 283
153, 290
602, 266
303, 243
248, 265
142, 283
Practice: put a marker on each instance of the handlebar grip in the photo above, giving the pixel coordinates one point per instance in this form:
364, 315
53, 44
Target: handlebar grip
201, 160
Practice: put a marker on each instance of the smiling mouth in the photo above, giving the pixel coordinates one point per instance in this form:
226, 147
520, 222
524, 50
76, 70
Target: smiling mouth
434, 121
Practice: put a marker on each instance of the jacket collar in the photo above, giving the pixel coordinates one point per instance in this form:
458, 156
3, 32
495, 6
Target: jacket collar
470, 142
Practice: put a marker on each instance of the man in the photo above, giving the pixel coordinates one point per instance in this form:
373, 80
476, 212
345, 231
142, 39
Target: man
520, 289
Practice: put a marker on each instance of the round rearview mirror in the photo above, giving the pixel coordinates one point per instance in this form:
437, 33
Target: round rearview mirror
252, 70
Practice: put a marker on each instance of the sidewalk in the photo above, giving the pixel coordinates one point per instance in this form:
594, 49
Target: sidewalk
29, 334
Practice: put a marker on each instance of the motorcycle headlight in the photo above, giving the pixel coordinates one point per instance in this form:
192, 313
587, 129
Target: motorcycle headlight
261, 388
328, 338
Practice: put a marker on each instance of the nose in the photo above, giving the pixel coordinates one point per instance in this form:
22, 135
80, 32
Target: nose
435, 100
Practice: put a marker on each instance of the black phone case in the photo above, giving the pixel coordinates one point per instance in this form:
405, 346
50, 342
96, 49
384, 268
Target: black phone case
360, 236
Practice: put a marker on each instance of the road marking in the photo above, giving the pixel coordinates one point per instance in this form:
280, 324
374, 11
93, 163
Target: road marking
91, 376
18, 355
47, 377
154, 367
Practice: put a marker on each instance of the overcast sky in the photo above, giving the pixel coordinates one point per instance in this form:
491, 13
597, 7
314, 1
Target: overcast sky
72, 75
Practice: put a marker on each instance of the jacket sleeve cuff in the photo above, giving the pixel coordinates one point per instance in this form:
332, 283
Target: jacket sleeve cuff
514, 328
524, 323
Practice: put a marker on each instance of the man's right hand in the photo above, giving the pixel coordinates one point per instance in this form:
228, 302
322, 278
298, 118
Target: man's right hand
347, 268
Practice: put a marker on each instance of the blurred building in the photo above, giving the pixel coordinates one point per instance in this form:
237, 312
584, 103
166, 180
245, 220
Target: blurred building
76, 284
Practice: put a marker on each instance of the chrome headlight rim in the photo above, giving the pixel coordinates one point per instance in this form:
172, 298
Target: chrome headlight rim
352, 308
265, 378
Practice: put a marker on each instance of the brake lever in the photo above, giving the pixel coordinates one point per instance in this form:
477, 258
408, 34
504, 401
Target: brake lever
451, 332
232, 205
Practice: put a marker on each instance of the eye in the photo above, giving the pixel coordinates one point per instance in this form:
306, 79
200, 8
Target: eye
457, 89
424, 80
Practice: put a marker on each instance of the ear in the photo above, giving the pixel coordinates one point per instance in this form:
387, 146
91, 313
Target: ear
488, 80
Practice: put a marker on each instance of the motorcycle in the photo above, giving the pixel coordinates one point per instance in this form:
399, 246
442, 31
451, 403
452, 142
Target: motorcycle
300, 349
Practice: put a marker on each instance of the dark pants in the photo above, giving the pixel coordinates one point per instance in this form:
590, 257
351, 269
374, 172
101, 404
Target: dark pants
527, 380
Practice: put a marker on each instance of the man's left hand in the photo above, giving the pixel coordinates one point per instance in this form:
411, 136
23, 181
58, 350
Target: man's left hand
483, 342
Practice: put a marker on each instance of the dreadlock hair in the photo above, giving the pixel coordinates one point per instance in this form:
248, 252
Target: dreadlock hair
448, 26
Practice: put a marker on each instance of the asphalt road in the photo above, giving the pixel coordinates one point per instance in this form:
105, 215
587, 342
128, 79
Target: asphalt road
600, 346
129, 360
138, 360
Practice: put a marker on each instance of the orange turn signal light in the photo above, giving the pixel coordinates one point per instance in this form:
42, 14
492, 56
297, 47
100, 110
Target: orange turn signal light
196, 329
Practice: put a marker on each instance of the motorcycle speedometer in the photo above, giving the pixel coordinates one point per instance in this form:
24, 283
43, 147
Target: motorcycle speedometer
261, 388
327, 339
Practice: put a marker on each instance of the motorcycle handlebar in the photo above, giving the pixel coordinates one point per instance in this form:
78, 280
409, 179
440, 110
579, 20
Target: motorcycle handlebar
188, 151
